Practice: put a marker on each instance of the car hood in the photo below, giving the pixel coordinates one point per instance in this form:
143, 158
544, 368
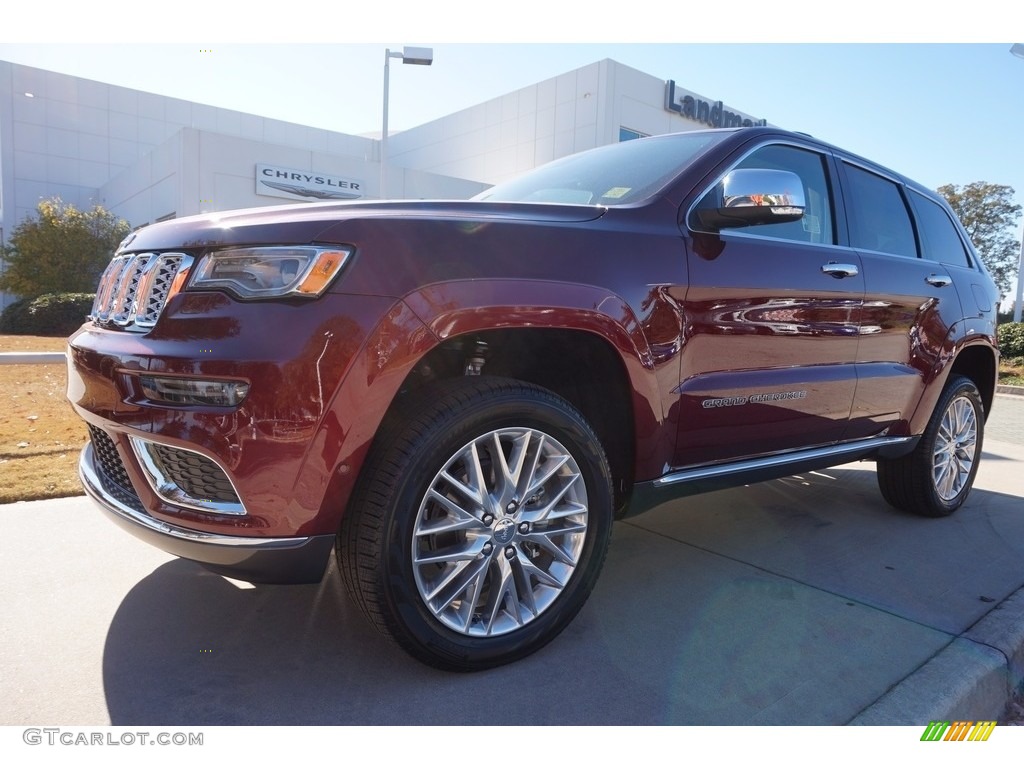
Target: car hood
310, 222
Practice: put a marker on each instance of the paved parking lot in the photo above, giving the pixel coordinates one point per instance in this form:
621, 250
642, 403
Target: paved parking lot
797, 601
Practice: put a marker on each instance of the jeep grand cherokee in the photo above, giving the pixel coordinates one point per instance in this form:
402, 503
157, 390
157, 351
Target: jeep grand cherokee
458, 398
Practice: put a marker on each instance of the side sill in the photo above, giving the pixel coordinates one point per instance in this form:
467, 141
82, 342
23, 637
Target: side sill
688, 482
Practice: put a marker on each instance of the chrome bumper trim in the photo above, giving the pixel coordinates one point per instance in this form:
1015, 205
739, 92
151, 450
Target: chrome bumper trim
170, 491
94, 488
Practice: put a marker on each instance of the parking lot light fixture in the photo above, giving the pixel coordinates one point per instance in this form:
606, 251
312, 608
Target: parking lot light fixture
408, 55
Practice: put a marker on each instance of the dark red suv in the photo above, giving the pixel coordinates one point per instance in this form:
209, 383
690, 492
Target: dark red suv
460, 397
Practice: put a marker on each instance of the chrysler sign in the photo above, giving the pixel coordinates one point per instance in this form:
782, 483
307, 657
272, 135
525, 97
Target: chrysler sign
296, 184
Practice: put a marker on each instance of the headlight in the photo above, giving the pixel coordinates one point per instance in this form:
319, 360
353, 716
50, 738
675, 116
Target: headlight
257, 273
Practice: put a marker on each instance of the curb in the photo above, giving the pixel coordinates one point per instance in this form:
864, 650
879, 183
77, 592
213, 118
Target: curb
973, 678
1009, 389
31, 358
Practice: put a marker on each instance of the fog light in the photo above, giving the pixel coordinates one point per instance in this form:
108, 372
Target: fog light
179, 391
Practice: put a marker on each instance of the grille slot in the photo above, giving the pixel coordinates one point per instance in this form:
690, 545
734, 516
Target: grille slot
187, 479
111, 468
196, 475
135, 287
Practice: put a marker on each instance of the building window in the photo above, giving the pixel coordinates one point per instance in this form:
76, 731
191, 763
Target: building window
627, 134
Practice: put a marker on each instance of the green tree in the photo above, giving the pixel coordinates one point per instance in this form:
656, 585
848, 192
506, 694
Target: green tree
61, 249
989, 215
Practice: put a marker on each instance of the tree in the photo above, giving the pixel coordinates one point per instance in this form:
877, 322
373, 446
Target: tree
61, 249
989, 215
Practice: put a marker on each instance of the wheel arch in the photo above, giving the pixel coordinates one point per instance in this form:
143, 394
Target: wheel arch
580, 366
582, 342
978, 362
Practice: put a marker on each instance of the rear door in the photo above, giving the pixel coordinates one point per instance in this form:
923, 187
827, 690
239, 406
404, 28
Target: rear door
910, 304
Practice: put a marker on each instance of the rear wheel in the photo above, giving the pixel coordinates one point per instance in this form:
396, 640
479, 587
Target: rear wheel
481, 524
936, 478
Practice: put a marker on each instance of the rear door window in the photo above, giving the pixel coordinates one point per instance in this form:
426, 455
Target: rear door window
879, 219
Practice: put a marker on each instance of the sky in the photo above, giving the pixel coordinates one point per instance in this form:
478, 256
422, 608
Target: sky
938, 112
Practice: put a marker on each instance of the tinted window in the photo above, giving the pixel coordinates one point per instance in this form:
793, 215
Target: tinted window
940, 240
612, 175
816, 225
879, 220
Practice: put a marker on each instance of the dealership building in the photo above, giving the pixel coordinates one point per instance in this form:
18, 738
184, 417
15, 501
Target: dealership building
150, 158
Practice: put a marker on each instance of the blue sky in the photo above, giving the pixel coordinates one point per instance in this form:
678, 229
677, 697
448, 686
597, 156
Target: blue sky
939, 113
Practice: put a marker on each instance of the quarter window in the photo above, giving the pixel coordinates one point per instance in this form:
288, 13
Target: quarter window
940, 240
879, 220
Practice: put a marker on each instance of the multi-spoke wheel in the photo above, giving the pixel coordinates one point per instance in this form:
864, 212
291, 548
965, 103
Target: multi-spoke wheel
481, 525
500, 531
935, 479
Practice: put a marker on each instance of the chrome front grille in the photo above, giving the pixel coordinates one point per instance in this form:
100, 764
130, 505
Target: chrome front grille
135, 287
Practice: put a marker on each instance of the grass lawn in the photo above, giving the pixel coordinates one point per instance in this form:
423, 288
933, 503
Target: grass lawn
40, 435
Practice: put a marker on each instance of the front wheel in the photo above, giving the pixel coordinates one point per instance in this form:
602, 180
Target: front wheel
481, 524
935, 479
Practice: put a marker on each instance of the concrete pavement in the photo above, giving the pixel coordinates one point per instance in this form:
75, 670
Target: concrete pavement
805, 600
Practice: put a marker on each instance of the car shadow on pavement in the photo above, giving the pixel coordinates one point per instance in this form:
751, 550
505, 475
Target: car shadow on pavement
798, 601
189, 647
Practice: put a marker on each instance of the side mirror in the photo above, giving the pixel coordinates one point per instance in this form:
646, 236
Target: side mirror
751, 196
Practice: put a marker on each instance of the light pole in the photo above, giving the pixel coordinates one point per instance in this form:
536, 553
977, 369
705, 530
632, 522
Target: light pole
408, 55
1017, 49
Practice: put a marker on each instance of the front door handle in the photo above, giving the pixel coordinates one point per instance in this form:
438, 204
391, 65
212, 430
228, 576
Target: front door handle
839, 271
939, 281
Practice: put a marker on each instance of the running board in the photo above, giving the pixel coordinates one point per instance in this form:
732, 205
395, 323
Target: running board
688, 482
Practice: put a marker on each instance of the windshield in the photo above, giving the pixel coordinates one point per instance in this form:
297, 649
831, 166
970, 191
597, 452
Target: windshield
613, 175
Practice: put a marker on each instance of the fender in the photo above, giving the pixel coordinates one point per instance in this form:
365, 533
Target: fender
965, 334
426, 318
464, 307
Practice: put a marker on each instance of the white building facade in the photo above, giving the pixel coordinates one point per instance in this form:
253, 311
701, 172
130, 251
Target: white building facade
149, 158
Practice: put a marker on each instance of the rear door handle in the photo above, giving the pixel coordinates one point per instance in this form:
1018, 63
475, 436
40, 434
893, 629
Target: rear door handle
939, 281
839, 271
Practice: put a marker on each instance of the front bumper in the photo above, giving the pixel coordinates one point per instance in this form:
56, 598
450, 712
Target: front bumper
291, 560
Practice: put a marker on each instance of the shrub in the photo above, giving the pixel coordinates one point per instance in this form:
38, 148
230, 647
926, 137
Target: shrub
1011, 339
60, 249
52, 314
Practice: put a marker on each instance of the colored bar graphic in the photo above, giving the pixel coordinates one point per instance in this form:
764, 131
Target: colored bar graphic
961, 730
982, 731
934, 730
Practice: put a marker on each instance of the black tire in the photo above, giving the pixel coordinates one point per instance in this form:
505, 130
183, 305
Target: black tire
515, 588
934, 480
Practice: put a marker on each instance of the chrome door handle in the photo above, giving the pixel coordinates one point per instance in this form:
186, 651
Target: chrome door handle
839, 271
939, 281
